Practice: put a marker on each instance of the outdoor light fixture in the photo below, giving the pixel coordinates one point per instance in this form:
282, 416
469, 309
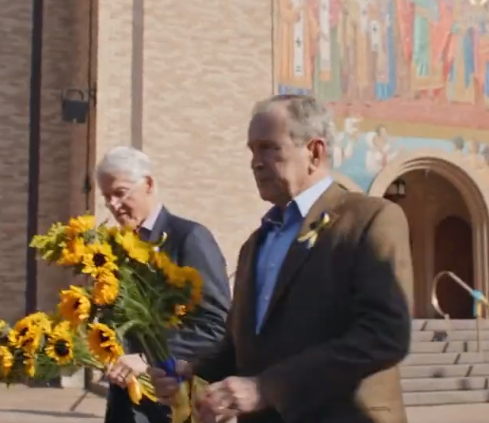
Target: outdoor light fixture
75, 105
396, 190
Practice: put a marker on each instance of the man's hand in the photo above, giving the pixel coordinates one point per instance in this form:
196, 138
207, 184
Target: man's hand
232, 396
126, 367
166, 387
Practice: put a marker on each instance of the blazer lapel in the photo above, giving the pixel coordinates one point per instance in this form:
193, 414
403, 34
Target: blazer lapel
299, 252
161, 225
245, 287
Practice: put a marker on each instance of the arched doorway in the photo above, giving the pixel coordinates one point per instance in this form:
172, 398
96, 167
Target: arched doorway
453, 252
440, 186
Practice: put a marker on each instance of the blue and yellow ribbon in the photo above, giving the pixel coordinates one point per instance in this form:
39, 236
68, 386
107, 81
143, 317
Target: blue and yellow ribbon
188, 392
480, 300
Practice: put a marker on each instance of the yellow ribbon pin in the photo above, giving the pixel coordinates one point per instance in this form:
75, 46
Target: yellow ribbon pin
311, 237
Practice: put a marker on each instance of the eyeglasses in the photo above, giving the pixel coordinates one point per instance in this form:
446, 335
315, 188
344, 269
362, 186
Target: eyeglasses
120, 197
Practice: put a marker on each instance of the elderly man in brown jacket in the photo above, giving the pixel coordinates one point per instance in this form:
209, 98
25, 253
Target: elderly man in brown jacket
319, 320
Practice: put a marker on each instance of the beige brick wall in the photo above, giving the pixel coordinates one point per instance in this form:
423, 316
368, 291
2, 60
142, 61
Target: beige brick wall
114, 72
204, 65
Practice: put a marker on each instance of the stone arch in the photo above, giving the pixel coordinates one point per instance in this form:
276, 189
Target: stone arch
345, 181
466, 180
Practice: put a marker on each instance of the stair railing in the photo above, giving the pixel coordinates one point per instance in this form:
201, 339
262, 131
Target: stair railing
478, 297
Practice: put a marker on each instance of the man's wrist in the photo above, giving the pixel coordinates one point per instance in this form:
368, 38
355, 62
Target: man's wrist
264, 402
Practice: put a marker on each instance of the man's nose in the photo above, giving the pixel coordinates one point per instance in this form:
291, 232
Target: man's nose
112, 203
256, 162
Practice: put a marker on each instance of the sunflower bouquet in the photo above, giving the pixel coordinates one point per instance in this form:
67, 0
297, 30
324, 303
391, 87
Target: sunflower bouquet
41, 347
134, 290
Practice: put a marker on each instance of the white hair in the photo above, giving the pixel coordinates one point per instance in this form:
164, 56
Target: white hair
128, 160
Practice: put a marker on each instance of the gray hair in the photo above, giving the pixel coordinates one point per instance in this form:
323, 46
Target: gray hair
308, 118
127, 160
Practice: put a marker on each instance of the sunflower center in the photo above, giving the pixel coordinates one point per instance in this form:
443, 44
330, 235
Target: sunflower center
62, 349
103, 337
27, 342
99, 260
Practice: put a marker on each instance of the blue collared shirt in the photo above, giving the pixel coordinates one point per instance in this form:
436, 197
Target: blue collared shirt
280, 230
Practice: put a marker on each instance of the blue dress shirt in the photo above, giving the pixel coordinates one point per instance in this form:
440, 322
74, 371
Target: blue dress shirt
279, 232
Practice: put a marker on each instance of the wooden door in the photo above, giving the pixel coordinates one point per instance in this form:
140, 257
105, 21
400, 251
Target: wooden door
453, 252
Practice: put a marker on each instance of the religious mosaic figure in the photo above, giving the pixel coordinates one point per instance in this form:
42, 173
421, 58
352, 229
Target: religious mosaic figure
296, 29
460, 86
380, 150
473, 154
327, 60
354, 45
346, 140
458, 145
428, 45
383, 44
481, 51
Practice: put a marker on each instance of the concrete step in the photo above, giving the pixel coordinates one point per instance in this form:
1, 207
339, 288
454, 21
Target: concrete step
451, 346
445, 397
444, 371
454, 335
441, 324
423, 359
445, 384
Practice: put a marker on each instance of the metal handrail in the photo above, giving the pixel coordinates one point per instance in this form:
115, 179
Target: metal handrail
479, 299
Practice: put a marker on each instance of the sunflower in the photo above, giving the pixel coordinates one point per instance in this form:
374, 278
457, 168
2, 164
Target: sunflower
75, 305
60, 344
48, 244
77, 226
161, 261
191, 276
4, 330
176, 319
102, 341
99, 260
135, 248
30, 365
28, 332
29, 341
105, 290
180, 310
6, 361
40, 320
72, 254
175, 275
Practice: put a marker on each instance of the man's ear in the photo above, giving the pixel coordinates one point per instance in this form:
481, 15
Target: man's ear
317, 151
150, 184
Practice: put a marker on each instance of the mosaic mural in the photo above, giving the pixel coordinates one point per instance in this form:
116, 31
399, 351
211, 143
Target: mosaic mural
400, 75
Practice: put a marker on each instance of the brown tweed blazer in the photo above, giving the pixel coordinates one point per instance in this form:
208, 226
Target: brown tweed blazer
338, 323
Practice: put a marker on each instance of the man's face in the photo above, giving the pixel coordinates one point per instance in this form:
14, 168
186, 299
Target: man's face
129, 202
280, 167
